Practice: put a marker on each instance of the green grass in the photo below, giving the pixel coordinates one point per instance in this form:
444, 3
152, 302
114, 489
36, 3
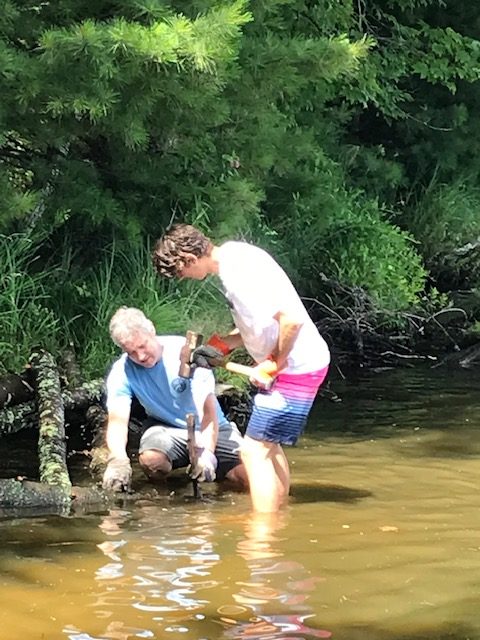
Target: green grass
63, 305
26, 315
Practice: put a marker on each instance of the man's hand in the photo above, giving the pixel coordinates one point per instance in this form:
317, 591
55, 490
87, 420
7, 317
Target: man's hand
264, 374
206, 356
118, 475
205, 468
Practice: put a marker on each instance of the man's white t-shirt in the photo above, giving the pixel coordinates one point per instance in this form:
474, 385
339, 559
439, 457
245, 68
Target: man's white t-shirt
257, 288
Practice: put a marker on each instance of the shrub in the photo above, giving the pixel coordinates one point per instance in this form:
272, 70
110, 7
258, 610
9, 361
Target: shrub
446, 221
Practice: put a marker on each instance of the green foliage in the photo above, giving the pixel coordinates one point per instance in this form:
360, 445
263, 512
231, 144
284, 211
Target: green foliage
102, 105
415, 101
26, 316
446, 221
366, 250
350, 240
235, 205
475, 330
62, 305
17, 200
290, 123
453, 56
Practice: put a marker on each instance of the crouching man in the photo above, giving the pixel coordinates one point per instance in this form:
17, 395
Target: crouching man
148, 370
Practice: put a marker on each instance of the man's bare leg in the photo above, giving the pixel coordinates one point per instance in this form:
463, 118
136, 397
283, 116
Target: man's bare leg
282, 470
267, 471
238, 478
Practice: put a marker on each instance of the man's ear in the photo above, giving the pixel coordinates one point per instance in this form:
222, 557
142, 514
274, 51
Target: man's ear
189, 259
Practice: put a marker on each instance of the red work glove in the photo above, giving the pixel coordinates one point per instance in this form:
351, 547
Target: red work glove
217, 342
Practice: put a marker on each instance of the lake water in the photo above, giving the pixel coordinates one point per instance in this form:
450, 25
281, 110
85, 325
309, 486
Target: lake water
381, 540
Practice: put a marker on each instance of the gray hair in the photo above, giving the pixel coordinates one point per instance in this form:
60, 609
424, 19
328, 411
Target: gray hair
127, 321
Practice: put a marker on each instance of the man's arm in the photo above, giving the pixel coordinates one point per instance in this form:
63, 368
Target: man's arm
209, 424
117, 429
118, 473
203, 392
289, 328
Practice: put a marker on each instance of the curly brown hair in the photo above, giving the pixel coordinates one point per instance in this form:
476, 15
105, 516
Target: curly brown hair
171, 250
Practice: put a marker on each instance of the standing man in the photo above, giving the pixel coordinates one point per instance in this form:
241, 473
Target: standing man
275, 328
148, 370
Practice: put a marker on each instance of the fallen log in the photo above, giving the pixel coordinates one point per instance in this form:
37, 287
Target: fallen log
71, 374
16, 388
24, 494
52, 446
25, 416
20, 493
13, 419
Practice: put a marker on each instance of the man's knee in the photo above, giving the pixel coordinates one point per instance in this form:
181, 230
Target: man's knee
155, 464
238, 476
257, 449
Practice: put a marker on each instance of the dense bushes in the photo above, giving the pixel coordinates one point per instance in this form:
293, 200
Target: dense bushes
446, 222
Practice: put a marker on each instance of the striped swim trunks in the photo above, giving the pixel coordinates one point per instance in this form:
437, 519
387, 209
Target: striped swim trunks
279, 415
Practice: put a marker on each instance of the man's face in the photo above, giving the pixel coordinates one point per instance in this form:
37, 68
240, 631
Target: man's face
194, 268
143, 348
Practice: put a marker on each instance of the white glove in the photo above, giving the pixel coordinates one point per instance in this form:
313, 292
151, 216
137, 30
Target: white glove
118, 475
205, 469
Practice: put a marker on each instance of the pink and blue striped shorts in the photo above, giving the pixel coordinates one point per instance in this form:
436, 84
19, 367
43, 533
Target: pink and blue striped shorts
279, 415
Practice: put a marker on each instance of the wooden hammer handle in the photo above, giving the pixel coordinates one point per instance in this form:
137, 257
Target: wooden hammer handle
236, 367
244, 370
192, 451
192, 341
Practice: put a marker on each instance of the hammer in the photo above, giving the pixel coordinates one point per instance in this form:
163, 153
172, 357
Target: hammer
194, 340
192, 452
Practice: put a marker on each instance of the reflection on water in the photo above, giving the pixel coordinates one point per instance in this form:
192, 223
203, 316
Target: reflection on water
275, 587
381, 540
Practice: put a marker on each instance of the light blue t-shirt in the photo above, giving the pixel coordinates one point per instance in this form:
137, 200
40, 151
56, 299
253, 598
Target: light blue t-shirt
160, 390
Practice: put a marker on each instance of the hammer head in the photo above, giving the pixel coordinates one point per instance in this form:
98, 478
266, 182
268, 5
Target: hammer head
192, 341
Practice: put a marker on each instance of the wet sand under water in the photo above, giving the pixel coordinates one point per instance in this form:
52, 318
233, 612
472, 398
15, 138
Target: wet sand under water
381, 539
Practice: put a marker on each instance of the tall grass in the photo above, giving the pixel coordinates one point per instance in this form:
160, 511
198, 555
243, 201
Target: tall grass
26, 315
446, 221
124, 277
55, 305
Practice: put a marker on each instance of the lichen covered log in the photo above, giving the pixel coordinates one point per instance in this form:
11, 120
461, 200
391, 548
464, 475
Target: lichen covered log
25, 415
70, 369
25, 494
52, 446
84, 395
13, 419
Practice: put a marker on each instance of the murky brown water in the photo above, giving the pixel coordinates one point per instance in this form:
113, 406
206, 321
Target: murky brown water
381, 540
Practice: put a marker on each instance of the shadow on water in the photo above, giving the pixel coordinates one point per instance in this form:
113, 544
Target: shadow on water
44, 536
327, 493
